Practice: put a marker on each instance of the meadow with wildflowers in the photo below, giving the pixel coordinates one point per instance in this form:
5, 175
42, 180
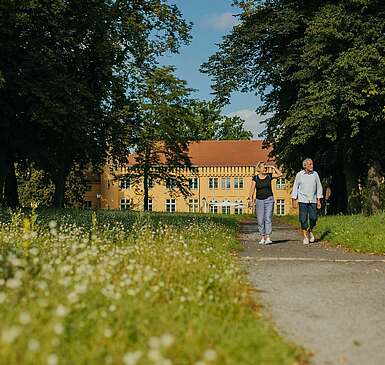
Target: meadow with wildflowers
83, 288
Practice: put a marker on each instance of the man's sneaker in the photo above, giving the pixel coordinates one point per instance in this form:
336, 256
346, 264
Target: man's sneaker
311, 237
305, 241
268, 241
262, 241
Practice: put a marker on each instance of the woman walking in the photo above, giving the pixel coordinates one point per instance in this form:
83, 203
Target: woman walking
261, 185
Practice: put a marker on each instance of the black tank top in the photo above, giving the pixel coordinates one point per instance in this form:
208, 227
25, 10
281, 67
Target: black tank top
263, 186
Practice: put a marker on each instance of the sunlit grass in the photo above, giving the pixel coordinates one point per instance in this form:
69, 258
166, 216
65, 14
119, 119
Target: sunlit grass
358, 232
120, 288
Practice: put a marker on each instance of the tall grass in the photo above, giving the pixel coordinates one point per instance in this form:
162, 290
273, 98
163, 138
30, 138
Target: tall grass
118, 288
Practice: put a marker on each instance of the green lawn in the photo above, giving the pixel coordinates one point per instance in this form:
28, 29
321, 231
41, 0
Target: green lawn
357, 232
124, 288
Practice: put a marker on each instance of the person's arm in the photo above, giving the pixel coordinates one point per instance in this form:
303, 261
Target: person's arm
277, 173
319, 191
251, 194
294, 194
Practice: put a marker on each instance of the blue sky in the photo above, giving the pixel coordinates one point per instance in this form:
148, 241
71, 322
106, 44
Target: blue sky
212, 19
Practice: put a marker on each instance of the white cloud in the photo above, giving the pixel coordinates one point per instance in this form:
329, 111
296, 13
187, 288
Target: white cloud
221, 21
253, 121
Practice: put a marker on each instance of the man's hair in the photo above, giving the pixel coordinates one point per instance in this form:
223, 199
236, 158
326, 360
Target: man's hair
305, 161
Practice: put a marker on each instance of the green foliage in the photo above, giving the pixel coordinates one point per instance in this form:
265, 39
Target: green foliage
319, 66
148, 291
37, 189
209, 124
64, 63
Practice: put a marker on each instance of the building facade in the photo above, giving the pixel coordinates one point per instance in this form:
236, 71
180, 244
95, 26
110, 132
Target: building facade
219, 183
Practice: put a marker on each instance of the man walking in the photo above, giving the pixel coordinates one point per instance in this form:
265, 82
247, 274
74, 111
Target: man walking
307, 190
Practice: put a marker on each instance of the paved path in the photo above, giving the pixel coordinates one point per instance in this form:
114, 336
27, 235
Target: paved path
330, 301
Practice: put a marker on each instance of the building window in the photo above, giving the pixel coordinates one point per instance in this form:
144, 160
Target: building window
225, 208
281, 183
238, 183
213, 183
238, 209
193, 205
125, 204
213, 207
170, 184
124, 183
226, 183
149, 205
88, 187
170, 205
88, 204
280, 207
193, 183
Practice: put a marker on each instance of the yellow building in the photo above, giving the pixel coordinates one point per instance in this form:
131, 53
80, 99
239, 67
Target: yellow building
219, 183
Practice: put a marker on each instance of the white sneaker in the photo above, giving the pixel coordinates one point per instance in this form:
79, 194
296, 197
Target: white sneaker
311, 237
305, 241
262, 241
268, 241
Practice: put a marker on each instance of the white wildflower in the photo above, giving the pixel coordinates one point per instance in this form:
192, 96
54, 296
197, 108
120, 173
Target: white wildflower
10, 334
166, 340
24, 318
33, 345
52, 359
210, 355
107, 333
61, 310
131, 358
58, 328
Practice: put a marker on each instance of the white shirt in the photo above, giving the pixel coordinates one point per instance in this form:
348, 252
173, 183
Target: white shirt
307, 187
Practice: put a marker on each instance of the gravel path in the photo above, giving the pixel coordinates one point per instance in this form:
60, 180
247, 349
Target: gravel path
330, 301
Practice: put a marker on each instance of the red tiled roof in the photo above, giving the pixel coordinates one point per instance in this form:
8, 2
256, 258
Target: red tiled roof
227, 153
224, 153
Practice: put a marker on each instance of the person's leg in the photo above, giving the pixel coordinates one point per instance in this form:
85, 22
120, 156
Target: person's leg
303, 218
312, 215
269, 209
260, 209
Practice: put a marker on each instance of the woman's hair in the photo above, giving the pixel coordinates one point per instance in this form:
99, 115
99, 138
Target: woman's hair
258, 168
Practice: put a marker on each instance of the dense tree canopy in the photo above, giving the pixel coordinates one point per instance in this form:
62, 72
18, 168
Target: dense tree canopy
319, 66
62, 64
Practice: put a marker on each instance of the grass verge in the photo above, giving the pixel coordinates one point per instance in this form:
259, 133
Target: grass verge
357, 232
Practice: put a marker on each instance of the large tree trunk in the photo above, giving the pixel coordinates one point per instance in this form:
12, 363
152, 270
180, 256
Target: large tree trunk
374, 183
10, 187
3, 175
145, 190
338, 198
59, 181
351, 181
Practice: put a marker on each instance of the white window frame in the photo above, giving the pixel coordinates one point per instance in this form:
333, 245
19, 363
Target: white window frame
125, 204
170, 184
238, 210
193, 183
170, 205
193, 205
280, 183
226, 208
226, 183
239, 183
213, 183
213, 209
150, 205
124, 183
281, 207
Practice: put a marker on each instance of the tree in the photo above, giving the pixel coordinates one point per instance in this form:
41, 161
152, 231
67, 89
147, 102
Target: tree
319, 68
210, 124
61, 63
161, 121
